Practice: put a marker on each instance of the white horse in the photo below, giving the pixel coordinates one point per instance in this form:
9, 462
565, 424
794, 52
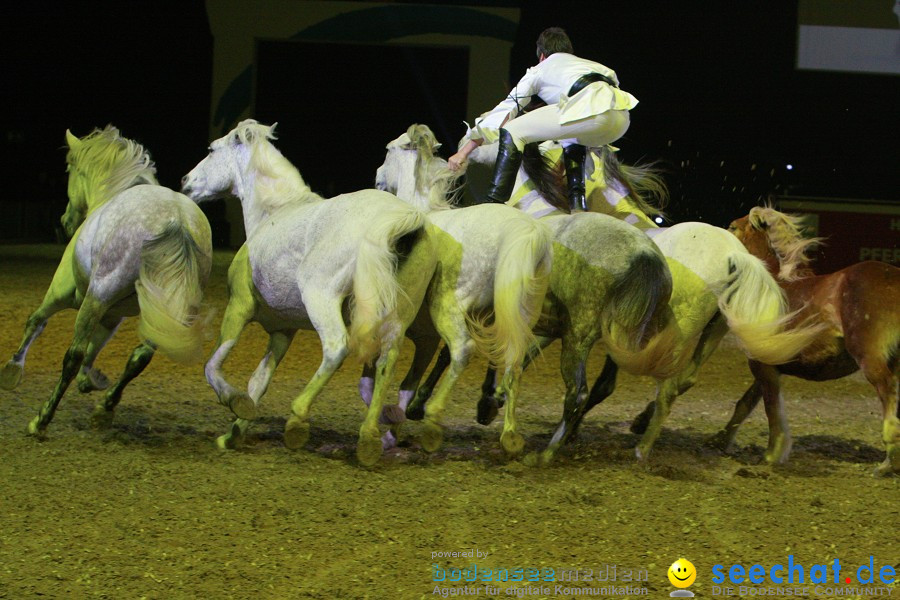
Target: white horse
608, 280
307, 263
135, 247
492, 260
717, 286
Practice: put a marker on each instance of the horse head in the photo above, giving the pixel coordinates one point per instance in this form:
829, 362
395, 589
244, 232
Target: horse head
101, 165
413, 171
777, 239
227, 165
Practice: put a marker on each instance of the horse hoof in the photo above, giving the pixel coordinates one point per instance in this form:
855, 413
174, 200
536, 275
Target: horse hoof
488, 407
391, 414
718, 442
101, 418
641, 454
388, 440
242, 406
296, 433
92, 380
35, 430
432, 436
512, 443
416, 410
533, 459
368, 449
639, 425
229, 441
11, 376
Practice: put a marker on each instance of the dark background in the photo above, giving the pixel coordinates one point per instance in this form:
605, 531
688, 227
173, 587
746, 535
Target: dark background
721, 104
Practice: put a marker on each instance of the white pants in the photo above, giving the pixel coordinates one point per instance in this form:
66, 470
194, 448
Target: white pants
543, 124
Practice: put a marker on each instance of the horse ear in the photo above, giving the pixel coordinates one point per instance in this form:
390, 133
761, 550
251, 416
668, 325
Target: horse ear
271, 133
72, 141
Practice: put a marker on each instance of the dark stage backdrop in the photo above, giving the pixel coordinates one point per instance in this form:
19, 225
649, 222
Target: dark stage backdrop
338, 105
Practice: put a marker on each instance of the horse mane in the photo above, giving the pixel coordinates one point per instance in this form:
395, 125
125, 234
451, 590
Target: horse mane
432, 170
646, 187
278, 182
549, 178
786, 240
644, 183
110, 164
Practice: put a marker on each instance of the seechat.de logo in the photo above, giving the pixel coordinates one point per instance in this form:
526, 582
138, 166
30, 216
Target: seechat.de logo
794, 572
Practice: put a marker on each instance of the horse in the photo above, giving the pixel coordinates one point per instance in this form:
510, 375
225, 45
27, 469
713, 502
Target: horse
717, 286
136, 248
861, 327
493, 262
310, 263
608, 280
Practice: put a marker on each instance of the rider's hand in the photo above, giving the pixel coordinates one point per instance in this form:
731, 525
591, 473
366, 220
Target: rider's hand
457, 161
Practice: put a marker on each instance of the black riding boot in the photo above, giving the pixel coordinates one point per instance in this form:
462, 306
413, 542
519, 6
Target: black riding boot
574, 156
505, 169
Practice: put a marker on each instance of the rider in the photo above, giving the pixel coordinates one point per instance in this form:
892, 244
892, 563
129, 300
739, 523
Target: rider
585, 107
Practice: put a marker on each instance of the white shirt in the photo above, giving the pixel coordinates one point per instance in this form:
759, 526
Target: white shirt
551, 80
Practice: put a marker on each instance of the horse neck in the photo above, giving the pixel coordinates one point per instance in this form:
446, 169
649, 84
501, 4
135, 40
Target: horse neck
257, 206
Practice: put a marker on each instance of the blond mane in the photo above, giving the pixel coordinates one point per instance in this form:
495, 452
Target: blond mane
431, 173
109, 164
278, 182
786, 240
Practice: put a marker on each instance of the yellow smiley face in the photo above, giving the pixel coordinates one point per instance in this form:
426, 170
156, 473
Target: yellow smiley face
682, 573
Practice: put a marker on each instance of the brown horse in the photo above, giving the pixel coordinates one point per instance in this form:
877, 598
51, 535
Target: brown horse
860, 306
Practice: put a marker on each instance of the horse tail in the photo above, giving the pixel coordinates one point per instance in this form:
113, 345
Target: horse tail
169, 290
638, 326
756, 310
548, 178
375, 286
644, 182
521, 280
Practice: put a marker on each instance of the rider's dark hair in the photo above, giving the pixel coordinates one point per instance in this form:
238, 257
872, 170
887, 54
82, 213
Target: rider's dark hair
553, 39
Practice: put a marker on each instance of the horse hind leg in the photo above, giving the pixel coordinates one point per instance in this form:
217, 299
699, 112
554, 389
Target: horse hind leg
879, 374
572, 365
325, 315
724, 439
103, 413
90, 379
370, 444
89, 316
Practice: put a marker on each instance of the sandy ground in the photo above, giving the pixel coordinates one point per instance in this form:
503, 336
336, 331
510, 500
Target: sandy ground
150, 508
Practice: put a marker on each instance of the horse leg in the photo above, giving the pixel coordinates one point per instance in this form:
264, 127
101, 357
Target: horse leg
600, 391
90, 379
279, 342
59, 296
490, 402
511, 440
240, 310
370, 444
89, 315
395, 415
885, 382
668, 391
103, 412
709, 340
780, 441
325, 314
724, 440
460, 350
573, 357
416, 409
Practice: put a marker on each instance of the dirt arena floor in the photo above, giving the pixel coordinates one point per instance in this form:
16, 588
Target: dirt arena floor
152, 509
